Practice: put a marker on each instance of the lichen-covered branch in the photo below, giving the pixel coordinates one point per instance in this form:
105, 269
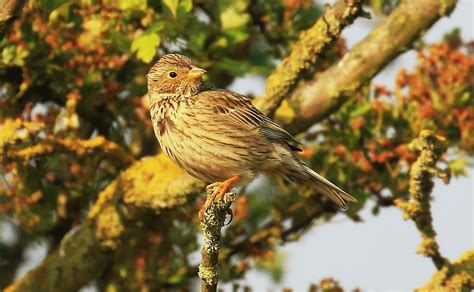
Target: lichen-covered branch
317, 99
418, 207
88, 250
212, 222
450, 276
459, 276
63, 270
307, 51
9, 10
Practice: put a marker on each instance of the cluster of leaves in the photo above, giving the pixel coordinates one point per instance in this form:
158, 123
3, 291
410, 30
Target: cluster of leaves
73, 115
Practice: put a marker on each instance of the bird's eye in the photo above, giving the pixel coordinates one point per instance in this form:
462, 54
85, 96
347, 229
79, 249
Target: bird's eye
172, 74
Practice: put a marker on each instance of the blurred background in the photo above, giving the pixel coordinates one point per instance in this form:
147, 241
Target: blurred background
82, 174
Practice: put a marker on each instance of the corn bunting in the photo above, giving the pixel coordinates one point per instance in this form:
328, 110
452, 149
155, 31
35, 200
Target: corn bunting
218, 136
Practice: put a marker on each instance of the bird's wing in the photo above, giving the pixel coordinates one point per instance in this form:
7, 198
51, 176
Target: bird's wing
241, 110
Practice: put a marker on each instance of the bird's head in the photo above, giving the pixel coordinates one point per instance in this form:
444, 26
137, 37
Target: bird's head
174, 74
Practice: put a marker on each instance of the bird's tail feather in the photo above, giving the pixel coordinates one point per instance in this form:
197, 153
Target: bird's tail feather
297, 171
327, 188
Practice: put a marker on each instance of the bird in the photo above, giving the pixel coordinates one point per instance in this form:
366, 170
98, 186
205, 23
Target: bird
219, 136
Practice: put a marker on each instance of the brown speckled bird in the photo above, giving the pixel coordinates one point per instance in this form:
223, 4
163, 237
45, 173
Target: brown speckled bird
218, 136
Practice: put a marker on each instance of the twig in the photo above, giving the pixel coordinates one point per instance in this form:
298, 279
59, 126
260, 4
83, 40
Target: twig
211, 223
306, 52
417, 207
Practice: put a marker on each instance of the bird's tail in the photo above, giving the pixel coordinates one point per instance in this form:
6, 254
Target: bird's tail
327, 188
306, 175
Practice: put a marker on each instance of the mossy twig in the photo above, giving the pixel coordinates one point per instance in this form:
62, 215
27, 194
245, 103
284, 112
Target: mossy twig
211, 224
417, 207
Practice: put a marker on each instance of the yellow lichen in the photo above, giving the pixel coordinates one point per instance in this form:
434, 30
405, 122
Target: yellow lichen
79, 147
109, 227
33, 151
8, 131
104, 197
458, 277
153, 182
285, 113
428, 247
417, 208
158, 183
12, 130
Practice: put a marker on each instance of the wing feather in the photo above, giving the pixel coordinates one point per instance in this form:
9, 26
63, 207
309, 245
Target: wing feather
241, 109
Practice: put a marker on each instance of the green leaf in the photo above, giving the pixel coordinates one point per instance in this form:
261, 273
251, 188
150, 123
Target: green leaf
145, 46
458, 166
132, 4
236, 36
232, 14
61, 11
360, 111
178, 7
120, 41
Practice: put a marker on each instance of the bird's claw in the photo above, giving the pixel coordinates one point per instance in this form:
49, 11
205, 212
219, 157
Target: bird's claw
219, 189
231, 214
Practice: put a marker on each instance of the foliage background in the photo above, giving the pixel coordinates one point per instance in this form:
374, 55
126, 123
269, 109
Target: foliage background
74, 117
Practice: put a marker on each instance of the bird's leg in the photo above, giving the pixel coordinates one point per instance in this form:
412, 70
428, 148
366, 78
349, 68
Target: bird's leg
220, 189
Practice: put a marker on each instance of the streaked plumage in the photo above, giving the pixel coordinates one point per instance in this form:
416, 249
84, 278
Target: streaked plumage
216, 134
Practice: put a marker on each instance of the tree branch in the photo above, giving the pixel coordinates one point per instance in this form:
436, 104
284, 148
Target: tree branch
459, 276
9, 11
418, 207
317, 99
64, 269
211, 224
86, 252
306, 52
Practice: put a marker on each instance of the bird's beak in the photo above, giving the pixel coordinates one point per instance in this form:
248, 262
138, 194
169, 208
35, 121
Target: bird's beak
195, 73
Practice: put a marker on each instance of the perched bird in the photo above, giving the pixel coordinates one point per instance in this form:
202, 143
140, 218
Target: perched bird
218, 136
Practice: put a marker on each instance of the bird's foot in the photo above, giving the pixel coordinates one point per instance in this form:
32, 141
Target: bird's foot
219, 189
